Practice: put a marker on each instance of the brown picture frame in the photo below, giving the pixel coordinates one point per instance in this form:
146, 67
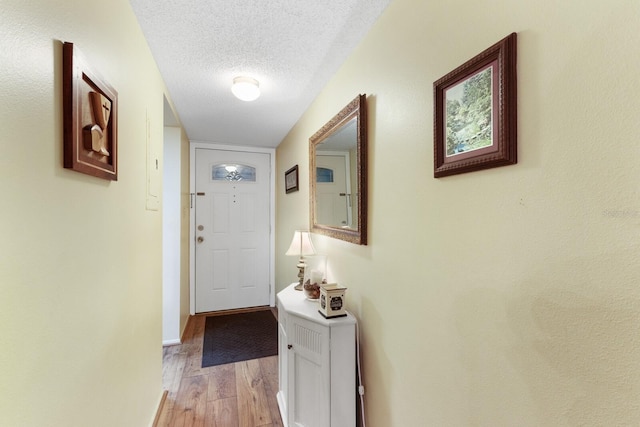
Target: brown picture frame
291, 180
474, 130
90, 111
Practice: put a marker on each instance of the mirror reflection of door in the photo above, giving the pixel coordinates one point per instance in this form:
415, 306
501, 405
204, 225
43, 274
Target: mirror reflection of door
341, 212
333, 189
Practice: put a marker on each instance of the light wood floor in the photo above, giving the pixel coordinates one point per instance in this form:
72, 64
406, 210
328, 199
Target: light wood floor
241, 394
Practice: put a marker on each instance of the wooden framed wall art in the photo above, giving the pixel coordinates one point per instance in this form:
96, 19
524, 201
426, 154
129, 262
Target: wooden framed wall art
90, 109
475, 113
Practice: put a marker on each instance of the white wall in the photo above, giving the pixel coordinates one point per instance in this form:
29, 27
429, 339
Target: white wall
80, 257
171, 237
505, 297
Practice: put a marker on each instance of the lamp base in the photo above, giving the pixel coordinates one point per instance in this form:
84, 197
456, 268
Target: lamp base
301, 265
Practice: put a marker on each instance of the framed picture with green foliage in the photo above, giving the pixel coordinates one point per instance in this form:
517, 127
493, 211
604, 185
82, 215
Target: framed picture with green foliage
475, 112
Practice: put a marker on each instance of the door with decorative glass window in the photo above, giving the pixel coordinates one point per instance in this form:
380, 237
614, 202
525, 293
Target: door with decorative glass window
232, 229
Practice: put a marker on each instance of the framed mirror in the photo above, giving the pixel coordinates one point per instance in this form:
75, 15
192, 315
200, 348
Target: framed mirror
338, 175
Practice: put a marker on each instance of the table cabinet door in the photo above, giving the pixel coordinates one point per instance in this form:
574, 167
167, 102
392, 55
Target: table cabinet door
308, 393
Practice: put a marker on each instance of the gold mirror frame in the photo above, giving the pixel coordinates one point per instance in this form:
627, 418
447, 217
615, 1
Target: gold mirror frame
356, 109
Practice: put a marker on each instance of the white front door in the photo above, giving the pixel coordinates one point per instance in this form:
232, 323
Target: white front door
232, 229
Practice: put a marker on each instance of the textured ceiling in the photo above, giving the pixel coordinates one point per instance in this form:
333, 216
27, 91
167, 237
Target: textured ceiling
292, 47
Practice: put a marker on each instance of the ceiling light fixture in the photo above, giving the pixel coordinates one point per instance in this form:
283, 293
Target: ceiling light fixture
246, 88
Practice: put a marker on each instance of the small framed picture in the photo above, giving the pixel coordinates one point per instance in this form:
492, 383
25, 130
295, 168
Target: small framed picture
291, 180
475, 112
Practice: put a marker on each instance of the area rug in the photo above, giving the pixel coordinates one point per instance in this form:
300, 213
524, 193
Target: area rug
236, 337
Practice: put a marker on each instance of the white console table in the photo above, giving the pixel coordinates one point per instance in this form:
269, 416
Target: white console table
317, 364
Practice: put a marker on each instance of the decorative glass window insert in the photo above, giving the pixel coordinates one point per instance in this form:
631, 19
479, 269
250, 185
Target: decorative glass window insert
233, 173
324, 175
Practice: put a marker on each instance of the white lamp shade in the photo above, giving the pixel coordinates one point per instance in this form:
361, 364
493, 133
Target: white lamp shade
301, 244
246, 88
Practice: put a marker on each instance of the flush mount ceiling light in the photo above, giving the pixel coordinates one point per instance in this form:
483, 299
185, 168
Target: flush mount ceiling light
246, 88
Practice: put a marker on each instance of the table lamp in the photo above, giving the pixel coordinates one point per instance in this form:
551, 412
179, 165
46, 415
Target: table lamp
301, 245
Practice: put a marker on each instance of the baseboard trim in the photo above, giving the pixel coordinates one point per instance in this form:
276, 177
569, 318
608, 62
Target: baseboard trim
233, 311
167, 343
160, 406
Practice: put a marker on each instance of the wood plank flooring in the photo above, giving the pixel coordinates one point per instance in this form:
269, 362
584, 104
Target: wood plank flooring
241, 394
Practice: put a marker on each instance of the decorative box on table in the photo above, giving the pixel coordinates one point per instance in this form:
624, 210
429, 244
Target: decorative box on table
332, 303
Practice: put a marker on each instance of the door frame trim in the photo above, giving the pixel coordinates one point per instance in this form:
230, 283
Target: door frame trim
193, 145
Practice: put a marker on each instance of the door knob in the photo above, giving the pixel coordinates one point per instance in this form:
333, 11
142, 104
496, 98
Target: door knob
200, 239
